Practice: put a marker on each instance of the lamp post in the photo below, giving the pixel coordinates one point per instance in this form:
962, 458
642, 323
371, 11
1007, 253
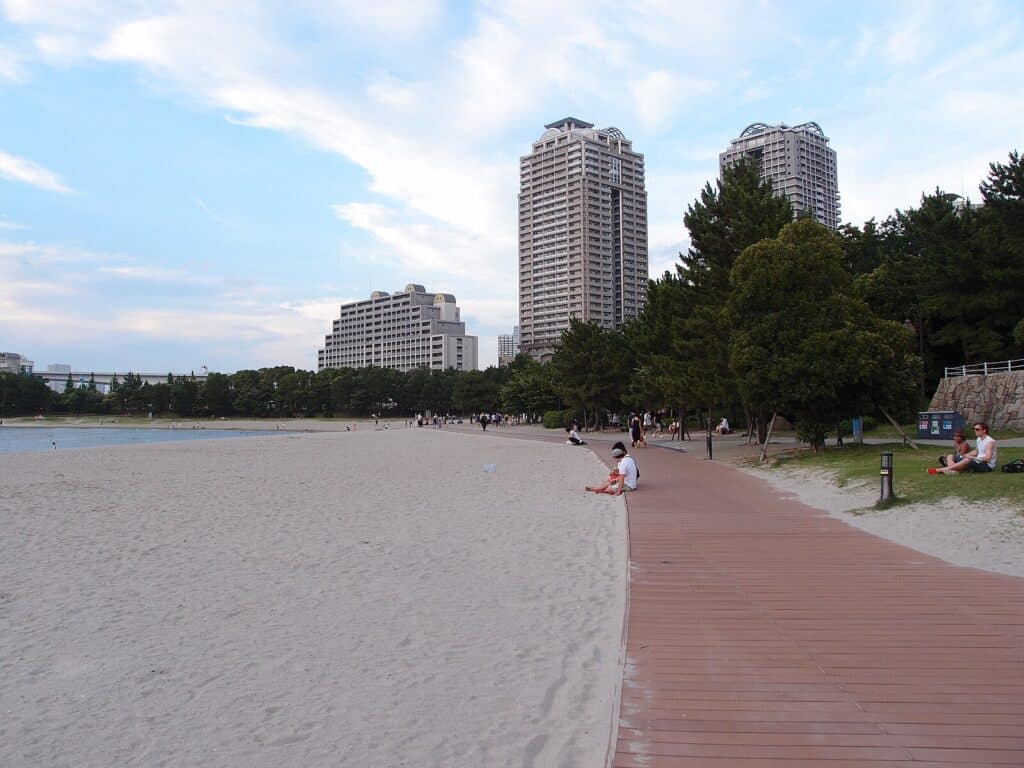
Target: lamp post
885, 473
711, 454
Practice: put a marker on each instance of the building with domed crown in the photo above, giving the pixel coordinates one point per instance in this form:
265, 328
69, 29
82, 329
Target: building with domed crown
582, 232
798, 162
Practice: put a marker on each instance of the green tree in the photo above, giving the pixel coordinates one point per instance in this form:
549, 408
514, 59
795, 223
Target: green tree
215, 394
23, 393
687, 349
252, 394
591, 368
737, 212
529, 388
183, 396
803, 345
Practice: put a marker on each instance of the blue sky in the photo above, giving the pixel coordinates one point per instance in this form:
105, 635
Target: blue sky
201, 183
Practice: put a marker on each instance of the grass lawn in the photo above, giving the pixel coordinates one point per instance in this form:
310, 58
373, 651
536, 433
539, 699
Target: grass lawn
911, 481
885, 430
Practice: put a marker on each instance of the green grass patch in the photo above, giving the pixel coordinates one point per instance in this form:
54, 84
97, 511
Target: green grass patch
887, 431
911, 481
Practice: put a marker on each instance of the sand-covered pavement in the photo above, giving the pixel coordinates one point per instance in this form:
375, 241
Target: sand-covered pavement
985, 535
345, 599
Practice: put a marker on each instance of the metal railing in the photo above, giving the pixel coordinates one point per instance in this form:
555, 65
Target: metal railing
984, 369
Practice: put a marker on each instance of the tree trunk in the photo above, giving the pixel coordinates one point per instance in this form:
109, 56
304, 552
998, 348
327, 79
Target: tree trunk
751, 424
768, 436
762, 427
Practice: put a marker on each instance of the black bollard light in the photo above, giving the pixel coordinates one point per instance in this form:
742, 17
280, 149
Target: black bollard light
711, 453
886, 476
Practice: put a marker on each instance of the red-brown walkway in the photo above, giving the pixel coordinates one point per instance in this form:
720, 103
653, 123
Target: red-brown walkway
761, 632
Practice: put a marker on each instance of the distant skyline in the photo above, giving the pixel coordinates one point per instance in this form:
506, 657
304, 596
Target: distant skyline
191, 183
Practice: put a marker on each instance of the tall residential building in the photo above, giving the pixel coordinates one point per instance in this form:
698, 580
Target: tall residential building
508, 346
799, 162
405, 330
582, 232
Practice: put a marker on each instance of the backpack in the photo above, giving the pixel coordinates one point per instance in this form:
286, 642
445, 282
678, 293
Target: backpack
1012, 467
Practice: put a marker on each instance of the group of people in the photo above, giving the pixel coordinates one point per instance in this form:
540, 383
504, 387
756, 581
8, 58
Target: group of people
500, 420
981, 458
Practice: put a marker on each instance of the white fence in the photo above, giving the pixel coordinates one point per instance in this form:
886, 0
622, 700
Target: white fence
984, 369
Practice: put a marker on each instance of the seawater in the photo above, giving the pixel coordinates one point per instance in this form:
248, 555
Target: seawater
22, 439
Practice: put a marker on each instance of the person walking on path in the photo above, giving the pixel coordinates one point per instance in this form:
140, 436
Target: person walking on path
636, 432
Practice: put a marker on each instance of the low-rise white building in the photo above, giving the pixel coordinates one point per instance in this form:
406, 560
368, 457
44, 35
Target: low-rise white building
12, 362
405, 330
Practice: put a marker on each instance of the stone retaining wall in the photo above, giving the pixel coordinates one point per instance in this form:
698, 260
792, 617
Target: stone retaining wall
997, 399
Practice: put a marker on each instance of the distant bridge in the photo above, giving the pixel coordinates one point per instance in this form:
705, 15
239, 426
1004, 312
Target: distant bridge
57, 381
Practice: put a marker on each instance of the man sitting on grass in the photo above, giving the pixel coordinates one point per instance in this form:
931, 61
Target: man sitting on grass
623, 478
981, 459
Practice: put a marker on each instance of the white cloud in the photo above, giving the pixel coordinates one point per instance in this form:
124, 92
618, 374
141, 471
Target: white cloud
382, 18
11, 67
16, 168
438, 130
156, 274
659, 95
420, 246
36, 308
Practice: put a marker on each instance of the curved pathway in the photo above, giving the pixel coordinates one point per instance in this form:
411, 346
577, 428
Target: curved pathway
762, 632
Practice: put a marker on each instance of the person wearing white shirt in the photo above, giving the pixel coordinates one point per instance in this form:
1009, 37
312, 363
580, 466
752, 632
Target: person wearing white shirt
624, 477
981, 459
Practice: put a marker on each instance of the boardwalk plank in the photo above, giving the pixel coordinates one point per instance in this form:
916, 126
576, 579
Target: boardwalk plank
764, 633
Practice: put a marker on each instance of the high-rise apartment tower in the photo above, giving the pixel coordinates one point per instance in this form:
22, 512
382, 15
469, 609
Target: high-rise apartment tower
582, 232
799, 162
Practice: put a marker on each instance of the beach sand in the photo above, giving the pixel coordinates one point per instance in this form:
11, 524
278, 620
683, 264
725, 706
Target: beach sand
353, 599
985, 535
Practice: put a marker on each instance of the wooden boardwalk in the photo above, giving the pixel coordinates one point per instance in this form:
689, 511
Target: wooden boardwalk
761, 632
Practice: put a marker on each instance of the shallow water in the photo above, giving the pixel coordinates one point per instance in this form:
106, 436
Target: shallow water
22, 439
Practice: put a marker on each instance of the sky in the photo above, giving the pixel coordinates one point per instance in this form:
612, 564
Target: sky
195, 183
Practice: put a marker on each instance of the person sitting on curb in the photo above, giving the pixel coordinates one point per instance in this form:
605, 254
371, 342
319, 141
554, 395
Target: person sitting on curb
573, 437
623, 478
981, 459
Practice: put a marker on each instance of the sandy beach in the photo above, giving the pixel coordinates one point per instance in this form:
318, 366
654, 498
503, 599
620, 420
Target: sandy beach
355, 599
985, 535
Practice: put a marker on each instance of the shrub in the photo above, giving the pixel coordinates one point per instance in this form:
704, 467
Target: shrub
558, 419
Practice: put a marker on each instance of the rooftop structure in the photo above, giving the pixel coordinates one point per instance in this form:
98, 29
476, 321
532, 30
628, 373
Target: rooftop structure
799, 163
